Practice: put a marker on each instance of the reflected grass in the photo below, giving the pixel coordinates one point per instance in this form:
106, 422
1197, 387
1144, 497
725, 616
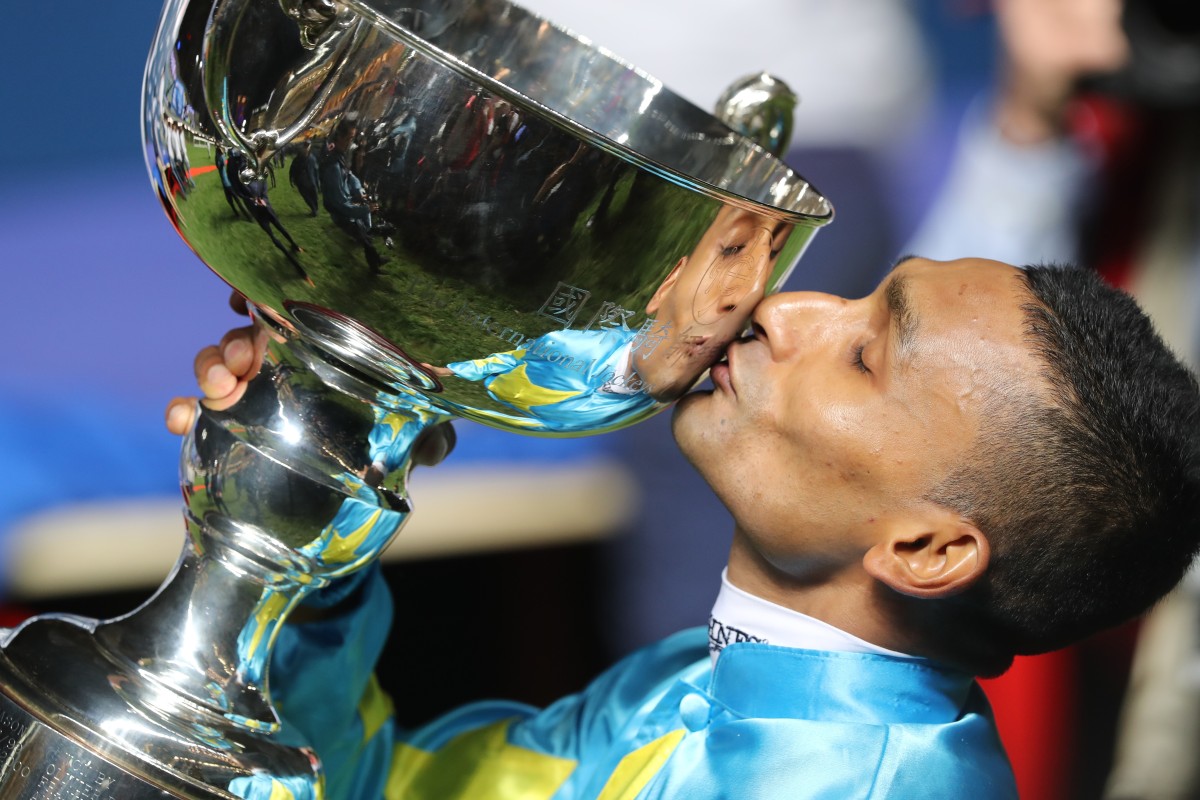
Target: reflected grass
620, 247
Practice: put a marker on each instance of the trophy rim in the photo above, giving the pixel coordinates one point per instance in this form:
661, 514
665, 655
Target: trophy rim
366, 9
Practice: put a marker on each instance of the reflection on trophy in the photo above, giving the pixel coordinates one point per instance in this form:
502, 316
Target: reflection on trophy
487, 218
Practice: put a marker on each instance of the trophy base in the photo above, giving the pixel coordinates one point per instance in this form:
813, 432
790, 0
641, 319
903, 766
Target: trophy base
38, 763
77, 723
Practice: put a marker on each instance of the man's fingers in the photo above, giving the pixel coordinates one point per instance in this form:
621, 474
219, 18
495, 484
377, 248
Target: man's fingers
237, 350
181, 413
441, 372
237, 301
215, 380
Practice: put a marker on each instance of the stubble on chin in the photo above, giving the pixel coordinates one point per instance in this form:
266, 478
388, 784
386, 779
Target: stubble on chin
687, 424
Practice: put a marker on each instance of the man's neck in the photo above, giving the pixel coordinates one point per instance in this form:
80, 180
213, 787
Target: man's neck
738, 616
846, 598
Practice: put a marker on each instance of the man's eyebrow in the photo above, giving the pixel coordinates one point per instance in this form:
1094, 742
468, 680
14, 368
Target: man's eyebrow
903, 318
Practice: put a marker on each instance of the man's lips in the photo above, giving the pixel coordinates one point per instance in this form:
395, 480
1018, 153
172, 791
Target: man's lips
722, 378
722, 373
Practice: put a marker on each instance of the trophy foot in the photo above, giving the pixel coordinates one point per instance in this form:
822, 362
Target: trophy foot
77, 721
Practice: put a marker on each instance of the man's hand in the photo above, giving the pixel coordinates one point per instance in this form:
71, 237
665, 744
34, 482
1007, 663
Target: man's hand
441, 372
224, 370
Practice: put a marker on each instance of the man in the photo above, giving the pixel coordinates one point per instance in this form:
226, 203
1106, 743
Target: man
1092, 130
253, 195
231, 196
303, 175
342, 192
974, 461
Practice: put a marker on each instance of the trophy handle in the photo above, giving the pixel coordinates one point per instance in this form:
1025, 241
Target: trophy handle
319, 20
762, 108
328, 36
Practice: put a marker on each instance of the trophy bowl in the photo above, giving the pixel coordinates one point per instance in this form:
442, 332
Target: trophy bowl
436, 209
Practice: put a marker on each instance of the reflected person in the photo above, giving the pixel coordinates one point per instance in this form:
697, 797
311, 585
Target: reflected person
253, 195
231, 196
303, 175
570, 379
342, 192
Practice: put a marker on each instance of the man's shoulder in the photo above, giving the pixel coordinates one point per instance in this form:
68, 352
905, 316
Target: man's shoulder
649, 672
771, 759
666, 657
770, 752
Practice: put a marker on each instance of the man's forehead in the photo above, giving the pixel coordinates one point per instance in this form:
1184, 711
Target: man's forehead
953, 284
945, 309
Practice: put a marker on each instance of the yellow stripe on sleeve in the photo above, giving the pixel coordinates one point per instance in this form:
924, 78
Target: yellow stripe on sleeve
374, 708
280, 792
476, 765
637, 768
516, 387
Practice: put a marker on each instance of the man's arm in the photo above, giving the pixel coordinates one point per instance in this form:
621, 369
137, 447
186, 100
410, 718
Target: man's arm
480, 368
333, 191
324, 688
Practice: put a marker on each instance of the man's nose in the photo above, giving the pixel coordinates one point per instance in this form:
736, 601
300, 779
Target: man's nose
790, 321
758, 251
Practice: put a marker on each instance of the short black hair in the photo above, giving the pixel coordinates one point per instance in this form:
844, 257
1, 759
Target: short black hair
345, 125
1089, 496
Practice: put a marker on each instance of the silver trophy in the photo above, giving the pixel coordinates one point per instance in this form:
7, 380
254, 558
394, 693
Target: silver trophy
436, 209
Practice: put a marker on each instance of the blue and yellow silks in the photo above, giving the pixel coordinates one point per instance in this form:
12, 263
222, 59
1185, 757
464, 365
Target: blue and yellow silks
564, 379
767, 723
362, 527
358, 532
395, 431
264, 787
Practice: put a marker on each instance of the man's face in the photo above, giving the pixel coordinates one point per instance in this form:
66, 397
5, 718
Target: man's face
707, 299
838, 416
344, 139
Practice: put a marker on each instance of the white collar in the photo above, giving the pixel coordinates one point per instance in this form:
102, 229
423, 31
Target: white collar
739, 616
623, 369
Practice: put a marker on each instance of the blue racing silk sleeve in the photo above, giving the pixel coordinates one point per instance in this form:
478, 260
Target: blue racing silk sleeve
480, 368
323, 685
324, 689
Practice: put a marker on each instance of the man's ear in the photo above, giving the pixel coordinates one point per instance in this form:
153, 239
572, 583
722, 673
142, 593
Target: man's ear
665, 287
932, 558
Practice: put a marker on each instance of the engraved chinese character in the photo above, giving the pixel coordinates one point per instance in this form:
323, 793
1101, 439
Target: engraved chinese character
611, 317
564, 304
648, 337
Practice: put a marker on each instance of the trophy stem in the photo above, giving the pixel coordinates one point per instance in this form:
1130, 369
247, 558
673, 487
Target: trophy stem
185, 640
298, 484
279, 502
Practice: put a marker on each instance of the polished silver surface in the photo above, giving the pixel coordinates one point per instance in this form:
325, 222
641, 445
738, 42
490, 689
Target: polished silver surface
762, 108
300, 483
37, 762
524, 221
436, 209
